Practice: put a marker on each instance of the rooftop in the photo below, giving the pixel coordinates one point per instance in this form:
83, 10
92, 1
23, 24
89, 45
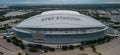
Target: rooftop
60, 19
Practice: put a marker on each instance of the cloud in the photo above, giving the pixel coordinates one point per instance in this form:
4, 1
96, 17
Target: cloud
111, 2
57, 1
51, 1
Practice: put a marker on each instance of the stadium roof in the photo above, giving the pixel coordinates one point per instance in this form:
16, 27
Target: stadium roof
60, 19
57, 12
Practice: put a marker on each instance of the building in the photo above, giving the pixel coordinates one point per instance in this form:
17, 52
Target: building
60, 27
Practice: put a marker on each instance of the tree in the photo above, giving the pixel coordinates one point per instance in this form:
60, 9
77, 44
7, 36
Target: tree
64, 48
8, 40
19, 53
71, 47
52, 49
45, 51
93, 47
81, 47
26, 54
4, 37
33, 49
1, 53
99, 54
22, 46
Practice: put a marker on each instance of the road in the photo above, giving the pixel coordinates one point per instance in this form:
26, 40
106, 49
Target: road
8, 48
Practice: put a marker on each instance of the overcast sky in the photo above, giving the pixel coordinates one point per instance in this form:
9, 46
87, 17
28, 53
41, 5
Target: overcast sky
57, 1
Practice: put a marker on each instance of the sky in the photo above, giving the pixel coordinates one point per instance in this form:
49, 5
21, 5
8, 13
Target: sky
58, 1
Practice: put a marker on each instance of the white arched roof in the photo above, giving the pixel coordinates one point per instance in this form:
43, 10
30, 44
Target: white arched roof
60, 19
57, 12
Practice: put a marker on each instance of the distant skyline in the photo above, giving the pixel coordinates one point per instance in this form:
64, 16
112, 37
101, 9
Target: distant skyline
58, 2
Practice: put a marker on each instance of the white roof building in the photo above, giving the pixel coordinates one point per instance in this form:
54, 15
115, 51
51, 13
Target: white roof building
60, 27
60, 19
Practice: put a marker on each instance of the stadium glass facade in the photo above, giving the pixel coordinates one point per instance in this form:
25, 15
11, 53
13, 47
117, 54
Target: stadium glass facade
64, 35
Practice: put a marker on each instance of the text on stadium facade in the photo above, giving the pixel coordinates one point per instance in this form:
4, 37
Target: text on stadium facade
60, 18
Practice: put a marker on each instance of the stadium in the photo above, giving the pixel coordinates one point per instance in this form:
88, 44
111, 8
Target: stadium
58, 27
